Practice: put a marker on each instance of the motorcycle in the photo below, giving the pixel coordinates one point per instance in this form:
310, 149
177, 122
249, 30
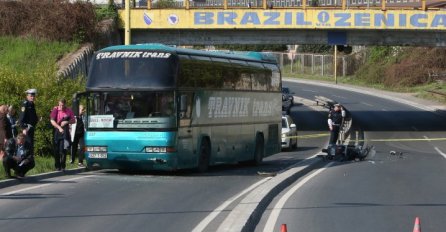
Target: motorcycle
348, 152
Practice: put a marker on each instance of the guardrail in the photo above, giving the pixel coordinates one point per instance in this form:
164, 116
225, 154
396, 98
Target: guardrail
325, 102
269, 4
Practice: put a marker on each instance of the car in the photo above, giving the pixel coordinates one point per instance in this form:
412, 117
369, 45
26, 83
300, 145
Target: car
288, 94
289, 133
286, 104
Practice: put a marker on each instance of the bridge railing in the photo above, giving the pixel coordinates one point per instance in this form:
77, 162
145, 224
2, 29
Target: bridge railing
269, 4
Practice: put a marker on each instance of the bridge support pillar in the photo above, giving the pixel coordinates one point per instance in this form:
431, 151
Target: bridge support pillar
127, 22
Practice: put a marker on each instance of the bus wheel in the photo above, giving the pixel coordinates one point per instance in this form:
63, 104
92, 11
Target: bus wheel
258, 153
203, 159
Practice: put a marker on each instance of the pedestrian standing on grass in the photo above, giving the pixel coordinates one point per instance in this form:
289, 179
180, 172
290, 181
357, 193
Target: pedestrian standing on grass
12, 120
28, 117
60, 117
78, 140
5, 128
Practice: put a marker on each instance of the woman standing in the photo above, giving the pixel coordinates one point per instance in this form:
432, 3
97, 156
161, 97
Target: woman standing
5, 129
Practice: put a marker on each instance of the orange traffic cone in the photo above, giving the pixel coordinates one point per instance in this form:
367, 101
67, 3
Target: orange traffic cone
283, 228
417, 227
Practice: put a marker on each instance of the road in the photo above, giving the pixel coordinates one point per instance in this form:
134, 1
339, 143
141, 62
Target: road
156, 201
385, 192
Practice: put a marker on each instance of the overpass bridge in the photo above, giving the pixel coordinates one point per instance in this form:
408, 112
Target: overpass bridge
198, 23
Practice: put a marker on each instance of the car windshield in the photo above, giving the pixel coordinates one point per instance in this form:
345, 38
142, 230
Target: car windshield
286, 90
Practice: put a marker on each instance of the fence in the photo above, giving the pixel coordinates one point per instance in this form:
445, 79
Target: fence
318, 64
409, 4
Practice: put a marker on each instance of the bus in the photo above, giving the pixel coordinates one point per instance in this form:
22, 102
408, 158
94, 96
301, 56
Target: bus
158, 107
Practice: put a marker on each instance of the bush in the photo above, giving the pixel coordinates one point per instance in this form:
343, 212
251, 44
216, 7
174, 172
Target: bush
54, 20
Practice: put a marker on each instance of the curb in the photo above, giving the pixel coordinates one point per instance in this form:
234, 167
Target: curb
38, 177
246, 215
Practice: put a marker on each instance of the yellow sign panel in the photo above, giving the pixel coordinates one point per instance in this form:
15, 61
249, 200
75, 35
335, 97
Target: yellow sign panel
286, 19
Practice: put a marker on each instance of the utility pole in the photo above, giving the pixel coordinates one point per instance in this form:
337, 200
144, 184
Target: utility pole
335, 63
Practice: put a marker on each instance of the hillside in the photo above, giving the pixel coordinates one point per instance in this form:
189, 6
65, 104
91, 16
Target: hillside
417, 70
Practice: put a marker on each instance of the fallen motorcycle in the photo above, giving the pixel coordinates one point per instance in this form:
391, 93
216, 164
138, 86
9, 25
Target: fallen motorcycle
347, 152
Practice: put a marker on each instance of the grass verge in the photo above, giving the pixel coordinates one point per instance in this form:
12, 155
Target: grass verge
43, 165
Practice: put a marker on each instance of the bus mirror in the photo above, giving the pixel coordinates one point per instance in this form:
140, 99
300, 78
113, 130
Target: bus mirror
183, 103
75, 106
75, 103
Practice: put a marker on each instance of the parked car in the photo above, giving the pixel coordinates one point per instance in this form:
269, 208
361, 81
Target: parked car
288, 94
289, 133
286, 104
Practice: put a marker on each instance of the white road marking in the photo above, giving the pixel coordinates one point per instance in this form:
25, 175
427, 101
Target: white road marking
367, 104
42, 185
208, 219
339, 96
440, 152
272, 219
307, 90
383, 109
414, 128
437, 149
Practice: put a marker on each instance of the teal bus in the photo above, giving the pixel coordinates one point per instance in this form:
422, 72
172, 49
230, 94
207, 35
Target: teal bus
158, 107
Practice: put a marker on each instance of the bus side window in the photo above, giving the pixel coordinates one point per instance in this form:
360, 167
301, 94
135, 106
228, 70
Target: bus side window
185, 108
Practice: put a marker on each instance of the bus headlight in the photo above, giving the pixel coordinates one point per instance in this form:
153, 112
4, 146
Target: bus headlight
159, 149
96, 149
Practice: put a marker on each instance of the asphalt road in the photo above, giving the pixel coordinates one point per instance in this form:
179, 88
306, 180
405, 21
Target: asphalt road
385, 192
181, 201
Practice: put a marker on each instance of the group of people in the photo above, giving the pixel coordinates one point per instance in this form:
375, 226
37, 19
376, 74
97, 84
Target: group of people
17, 136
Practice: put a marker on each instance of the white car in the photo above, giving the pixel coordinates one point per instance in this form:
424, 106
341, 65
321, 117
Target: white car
289, 133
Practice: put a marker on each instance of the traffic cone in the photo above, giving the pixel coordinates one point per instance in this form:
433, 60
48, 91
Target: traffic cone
283, 228
417, 227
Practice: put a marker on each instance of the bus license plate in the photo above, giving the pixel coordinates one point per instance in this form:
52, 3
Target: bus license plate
97, 155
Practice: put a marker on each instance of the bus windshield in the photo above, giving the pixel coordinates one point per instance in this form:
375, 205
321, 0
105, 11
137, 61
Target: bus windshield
131, 110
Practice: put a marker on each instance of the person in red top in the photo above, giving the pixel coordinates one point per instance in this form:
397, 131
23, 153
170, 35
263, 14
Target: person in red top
61, 116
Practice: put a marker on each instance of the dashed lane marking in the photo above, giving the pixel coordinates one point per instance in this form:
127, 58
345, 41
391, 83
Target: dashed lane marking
367, 104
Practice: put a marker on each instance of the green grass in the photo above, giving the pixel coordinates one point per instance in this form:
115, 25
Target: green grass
43, 165
26, 55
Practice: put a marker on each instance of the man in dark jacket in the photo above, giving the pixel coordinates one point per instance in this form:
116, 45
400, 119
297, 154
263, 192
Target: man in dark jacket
18, 156
335, 120
28, 118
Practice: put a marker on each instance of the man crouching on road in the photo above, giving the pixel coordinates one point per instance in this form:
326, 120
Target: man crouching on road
18, 156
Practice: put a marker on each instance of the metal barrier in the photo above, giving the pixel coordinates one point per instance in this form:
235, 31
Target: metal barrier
269, 4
